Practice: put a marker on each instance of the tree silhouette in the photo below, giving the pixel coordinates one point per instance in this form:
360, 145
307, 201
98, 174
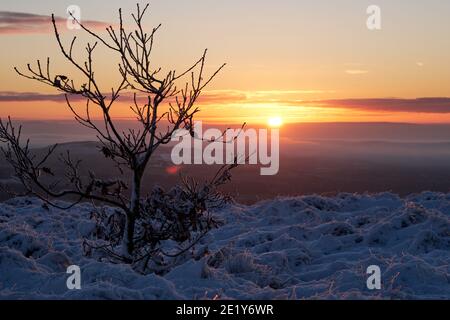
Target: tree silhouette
131, 149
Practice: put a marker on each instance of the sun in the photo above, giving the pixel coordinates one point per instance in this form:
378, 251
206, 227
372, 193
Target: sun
275, 122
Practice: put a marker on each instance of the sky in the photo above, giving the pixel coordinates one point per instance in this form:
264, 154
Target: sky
302, 61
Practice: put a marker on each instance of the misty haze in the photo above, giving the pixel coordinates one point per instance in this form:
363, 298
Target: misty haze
322, 158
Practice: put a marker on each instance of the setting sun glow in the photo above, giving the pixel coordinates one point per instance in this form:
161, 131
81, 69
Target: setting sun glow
275, 122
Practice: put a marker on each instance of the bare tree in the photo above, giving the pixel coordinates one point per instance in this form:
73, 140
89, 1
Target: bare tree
130, 149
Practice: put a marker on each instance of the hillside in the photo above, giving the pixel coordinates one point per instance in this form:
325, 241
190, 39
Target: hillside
288, 248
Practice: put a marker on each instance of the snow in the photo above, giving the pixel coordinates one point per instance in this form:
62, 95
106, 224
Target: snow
308, 247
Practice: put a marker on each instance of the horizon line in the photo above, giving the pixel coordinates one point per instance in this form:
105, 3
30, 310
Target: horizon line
223, 122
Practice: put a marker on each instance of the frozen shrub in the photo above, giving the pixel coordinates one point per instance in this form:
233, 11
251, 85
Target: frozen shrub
240, 263
170, 98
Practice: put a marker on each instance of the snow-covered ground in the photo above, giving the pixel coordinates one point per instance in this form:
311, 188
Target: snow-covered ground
308, 247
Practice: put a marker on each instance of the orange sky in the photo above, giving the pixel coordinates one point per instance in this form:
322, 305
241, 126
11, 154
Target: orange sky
296, 60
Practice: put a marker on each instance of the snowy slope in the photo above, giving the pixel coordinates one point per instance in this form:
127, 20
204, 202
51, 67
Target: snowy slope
289, 248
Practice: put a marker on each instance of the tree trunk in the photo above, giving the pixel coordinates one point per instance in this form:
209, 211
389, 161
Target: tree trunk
128, 236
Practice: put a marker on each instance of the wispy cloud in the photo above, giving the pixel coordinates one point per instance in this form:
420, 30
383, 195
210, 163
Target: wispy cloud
207, 97
11, 96
257, 96
30, 23
356, 71
421, 105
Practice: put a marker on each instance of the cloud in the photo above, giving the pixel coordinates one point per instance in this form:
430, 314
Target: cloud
30, 23
10, 96
421, 105
284, 98
207, 98
257, 96
356, 71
